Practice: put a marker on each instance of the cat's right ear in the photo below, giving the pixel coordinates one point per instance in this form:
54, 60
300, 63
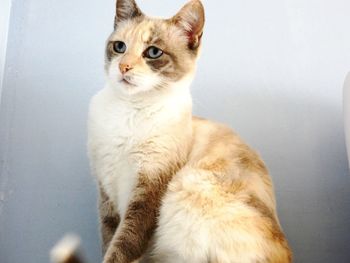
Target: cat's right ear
126, 9
191, 19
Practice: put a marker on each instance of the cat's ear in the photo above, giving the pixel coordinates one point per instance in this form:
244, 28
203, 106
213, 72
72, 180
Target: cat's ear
126, 9
191, 19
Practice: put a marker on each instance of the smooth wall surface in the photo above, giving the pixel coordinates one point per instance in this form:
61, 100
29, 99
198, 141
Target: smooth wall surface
273, 70
5, 7
346, 109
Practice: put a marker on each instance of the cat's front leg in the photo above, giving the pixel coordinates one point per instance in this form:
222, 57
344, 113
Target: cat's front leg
130, 242
109, 219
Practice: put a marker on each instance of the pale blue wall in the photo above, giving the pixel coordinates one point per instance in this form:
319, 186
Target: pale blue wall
273, 70
5, 8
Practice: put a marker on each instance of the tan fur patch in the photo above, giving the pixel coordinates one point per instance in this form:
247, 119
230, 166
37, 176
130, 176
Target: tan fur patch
109, 219
273, 231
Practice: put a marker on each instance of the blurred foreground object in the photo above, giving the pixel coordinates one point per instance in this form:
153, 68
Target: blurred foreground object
67, 250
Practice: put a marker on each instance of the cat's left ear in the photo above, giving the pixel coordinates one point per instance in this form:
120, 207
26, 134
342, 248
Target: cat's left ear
126, 9
191, 19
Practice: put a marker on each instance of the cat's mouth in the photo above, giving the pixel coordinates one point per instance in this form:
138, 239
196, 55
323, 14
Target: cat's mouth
126, 80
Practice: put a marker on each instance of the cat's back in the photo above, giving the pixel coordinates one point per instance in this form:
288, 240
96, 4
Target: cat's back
216, 143
222, 202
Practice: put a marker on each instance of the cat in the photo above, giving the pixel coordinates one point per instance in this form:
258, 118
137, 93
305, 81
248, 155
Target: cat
173, 187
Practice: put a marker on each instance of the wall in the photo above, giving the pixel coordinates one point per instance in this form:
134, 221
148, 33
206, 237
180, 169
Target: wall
273, 70
346, 109
5, 7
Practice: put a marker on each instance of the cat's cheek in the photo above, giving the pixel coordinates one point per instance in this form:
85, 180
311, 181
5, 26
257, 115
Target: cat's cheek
113, 75
152, 81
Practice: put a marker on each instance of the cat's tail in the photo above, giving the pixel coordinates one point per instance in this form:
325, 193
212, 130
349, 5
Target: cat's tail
67, 250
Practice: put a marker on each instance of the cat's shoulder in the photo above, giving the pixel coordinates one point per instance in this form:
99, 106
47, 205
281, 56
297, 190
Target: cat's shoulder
224, 140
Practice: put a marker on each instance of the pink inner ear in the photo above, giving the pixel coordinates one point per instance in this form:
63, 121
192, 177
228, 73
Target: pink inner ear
190, 36
193, 30
194, 35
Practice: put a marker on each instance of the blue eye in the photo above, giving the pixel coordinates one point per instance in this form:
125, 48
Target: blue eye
153, 52
119, 46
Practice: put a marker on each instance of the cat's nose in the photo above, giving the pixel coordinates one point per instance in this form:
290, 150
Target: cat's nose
124, 68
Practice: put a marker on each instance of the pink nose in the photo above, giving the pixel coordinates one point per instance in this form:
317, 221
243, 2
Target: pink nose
124, 68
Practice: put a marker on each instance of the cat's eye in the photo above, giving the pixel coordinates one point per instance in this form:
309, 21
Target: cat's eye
119, 46
153, 52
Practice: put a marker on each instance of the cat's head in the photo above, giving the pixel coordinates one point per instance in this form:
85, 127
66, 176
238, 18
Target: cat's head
149, 54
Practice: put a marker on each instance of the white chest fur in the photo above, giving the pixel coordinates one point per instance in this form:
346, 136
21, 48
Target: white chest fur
115, 127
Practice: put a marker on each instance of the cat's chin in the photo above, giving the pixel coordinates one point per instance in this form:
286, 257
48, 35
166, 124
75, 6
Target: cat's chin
130, 89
